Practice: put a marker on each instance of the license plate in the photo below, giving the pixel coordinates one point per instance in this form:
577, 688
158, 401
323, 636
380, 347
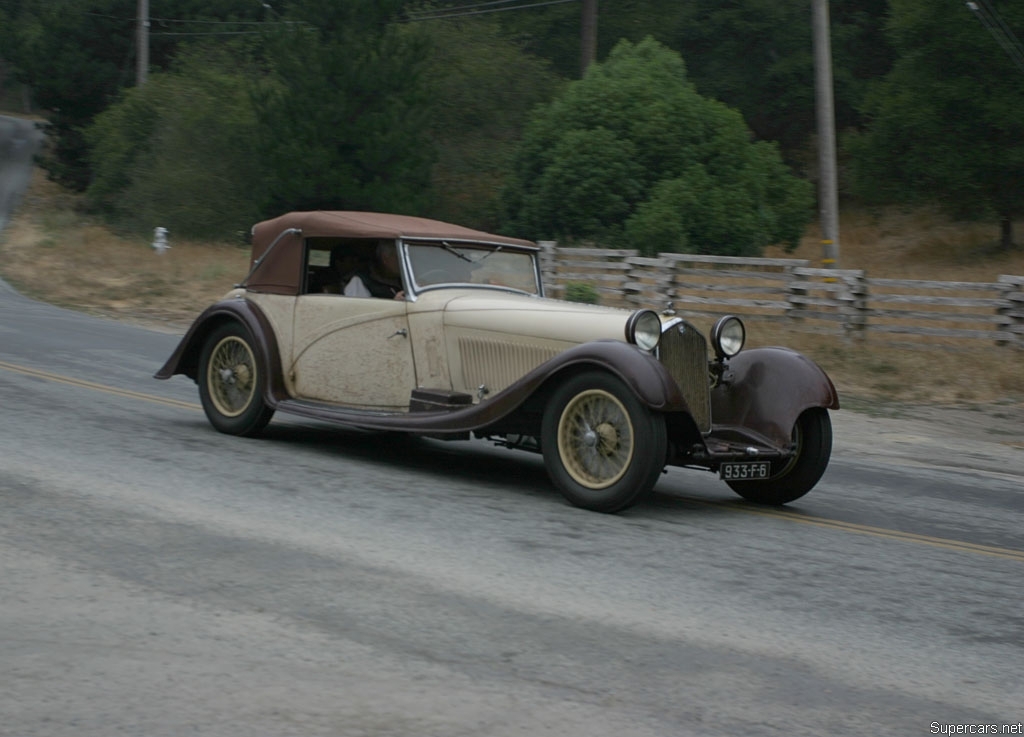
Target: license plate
745, 470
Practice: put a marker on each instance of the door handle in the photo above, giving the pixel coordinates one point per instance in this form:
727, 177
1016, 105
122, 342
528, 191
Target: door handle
401, 331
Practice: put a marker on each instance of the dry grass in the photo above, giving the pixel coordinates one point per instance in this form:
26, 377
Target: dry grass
52, 252
915, 244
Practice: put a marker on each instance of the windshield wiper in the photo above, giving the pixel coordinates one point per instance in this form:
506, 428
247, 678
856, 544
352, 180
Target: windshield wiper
458, 254
489, 254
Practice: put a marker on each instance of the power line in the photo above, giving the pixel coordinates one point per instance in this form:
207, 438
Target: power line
463, 11
470, 6
218, 22
1001, 32
206, 33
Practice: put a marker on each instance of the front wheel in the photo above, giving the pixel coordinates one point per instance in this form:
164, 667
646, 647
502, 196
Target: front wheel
231, 382
602, 447
812, 436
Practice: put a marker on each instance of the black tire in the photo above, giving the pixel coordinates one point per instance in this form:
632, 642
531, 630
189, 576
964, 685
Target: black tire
813, 437
602, 447
232, 382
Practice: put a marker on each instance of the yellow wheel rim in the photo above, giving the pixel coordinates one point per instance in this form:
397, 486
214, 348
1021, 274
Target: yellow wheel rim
595, 439
231, 376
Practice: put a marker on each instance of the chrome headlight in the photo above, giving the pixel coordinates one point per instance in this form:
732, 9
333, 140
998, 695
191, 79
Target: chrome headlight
643, 329
728, 336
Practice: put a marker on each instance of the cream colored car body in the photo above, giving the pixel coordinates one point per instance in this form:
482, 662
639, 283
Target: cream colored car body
370, 353
473, 349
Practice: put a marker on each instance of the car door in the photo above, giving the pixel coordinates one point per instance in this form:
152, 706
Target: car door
352, 351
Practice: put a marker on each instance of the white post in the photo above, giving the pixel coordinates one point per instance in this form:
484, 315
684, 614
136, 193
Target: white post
160, 244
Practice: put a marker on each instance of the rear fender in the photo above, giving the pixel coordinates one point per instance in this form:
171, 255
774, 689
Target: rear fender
768, 391
185, 358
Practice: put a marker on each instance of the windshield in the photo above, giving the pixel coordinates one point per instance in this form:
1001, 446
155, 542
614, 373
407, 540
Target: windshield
457, 264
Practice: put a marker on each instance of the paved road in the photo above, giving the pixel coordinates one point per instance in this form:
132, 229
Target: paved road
19, 141
159, 578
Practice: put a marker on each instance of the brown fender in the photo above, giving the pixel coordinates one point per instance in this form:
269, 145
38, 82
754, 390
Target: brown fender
769, 389
640, 371
185, 359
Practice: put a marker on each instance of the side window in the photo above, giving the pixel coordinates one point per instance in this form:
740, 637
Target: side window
320, 276
332, 262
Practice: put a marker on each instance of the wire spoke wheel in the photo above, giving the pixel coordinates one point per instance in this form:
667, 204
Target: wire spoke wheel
230, 375
602, 447
231, 382
595, 439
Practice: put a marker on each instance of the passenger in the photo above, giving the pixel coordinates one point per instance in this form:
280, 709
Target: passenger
345, 262
383, 278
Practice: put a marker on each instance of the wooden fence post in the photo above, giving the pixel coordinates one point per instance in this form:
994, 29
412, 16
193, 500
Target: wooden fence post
548, 259
856, 304
1011, 310
648, 282
840, 295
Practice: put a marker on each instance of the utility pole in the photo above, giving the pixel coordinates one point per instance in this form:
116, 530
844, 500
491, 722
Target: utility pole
142, 57
588, 35
828, 196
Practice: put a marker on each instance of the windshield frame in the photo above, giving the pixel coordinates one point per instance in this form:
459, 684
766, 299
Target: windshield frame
452, 245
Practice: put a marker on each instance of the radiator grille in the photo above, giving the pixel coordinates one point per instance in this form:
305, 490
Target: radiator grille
684, 352
498, 363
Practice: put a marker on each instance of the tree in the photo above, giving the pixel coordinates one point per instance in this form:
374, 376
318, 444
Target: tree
477, 111
632, 155
343, 123
76, 57
73, 60
756, 56
947, 123
180, 151
753, 55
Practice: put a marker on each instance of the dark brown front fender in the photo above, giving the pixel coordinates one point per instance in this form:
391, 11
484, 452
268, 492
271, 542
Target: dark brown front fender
185, 358
769, 389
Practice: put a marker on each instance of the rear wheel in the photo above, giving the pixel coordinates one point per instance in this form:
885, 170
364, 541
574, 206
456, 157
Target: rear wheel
231, 382
812, 436
602, 447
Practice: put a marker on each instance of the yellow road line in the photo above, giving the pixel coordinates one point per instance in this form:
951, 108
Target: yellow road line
938, 542
60, 379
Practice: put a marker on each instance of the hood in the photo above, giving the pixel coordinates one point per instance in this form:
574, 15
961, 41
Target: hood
521, 315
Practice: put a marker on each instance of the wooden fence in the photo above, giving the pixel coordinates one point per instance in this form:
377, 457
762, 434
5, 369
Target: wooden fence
790, 291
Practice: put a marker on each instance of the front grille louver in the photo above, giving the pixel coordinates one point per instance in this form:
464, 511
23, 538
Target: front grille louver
497, 363
684, 352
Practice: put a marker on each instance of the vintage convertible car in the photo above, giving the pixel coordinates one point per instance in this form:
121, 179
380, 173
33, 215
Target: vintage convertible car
473, 348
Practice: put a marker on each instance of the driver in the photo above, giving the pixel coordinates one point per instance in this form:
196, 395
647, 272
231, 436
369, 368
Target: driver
382, 279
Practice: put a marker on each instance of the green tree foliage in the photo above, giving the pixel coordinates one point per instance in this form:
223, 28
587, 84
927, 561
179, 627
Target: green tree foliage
180, 152
77, 56
753, 55
344, 125
477, 113
757, 56
632, 155
947, 124
73, 59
